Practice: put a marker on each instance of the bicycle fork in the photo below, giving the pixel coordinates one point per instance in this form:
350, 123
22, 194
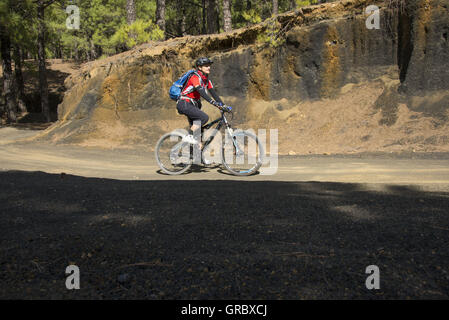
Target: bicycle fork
237, 149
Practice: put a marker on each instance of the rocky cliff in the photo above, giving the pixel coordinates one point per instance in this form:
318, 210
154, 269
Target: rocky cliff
318, 75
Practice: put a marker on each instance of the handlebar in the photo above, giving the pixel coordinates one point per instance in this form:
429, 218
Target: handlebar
226, 108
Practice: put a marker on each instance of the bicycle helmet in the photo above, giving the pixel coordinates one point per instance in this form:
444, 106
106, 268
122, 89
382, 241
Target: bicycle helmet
203, 61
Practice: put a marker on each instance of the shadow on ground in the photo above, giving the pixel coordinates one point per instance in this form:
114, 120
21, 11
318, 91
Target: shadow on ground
219, 239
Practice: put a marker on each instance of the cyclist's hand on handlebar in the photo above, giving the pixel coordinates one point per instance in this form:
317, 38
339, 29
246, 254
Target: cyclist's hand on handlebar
222, 106
227, 108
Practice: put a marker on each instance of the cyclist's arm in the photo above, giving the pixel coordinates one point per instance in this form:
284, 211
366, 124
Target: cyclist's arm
214, 95
204, 94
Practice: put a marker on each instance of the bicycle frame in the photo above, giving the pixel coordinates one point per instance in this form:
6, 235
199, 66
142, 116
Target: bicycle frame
221, 121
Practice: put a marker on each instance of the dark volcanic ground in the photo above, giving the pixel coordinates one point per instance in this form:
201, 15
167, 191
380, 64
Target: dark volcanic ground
219, 239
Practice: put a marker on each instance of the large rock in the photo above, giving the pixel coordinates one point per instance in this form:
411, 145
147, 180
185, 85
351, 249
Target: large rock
425, 45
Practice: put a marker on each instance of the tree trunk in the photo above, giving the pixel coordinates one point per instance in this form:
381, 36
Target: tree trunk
160, 14
98, 50
58, 54
43, 85
293, 4
183, 22
58, 50
227, 21
93, 52
203, 31
76, 51
19, 80
8, 79
130, 11
212, 17
131, 16
275, 7
182, 17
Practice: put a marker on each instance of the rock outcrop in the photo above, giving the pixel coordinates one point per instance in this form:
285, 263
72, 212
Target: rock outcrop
330, 85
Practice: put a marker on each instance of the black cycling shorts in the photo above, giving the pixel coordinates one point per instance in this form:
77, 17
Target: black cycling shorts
192, 112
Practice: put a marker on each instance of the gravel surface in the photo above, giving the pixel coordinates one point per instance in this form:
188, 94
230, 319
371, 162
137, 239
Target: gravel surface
219, 239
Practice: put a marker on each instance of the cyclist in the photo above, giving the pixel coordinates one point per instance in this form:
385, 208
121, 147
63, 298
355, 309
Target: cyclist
189, 103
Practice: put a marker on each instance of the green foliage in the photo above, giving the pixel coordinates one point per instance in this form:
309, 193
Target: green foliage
251, 16
104, 30
146, 10
137, 33
20, 31
303, 3
249, 12
272, 35
3, 9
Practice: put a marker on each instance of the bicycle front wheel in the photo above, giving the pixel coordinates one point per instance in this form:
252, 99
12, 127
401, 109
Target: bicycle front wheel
172, 154
242, 153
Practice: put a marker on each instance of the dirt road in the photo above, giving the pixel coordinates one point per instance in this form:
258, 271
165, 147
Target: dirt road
307, 232
141, 165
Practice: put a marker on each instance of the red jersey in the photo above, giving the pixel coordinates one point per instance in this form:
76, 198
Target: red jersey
194, 81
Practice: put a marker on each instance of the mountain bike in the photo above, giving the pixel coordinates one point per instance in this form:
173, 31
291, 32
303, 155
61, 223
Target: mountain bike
241, 151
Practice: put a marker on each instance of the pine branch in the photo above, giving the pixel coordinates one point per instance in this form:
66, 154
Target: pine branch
47, 3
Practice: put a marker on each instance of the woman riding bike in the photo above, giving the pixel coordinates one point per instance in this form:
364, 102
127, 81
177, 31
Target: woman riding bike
189, 104
241, 152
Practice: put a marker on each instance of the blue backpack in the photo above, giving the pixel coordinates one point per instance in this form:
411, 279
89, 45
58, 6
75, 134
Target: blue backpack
176, 88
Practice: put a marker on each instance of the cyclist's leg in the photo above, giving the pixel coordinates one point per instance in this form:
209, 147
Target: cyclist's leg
193, 113
197, 118
184, 109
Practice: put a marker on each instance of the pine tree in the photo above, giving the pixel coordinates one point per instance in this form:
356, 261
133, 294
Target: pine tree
8, 81
203, 29
18, 76
227, 21
293, 4
131, 16
43, 84
130, 11
182, 17
160, 14
212, 26
11, 36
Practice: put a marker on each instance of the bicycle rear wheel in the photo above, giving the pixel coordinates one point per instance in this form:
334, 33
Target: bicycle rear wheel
172, 154
243, 154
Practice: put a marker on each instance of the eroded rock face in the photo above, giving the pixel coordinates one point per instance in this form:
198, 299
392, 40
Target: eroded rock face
425, 47
328, 55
